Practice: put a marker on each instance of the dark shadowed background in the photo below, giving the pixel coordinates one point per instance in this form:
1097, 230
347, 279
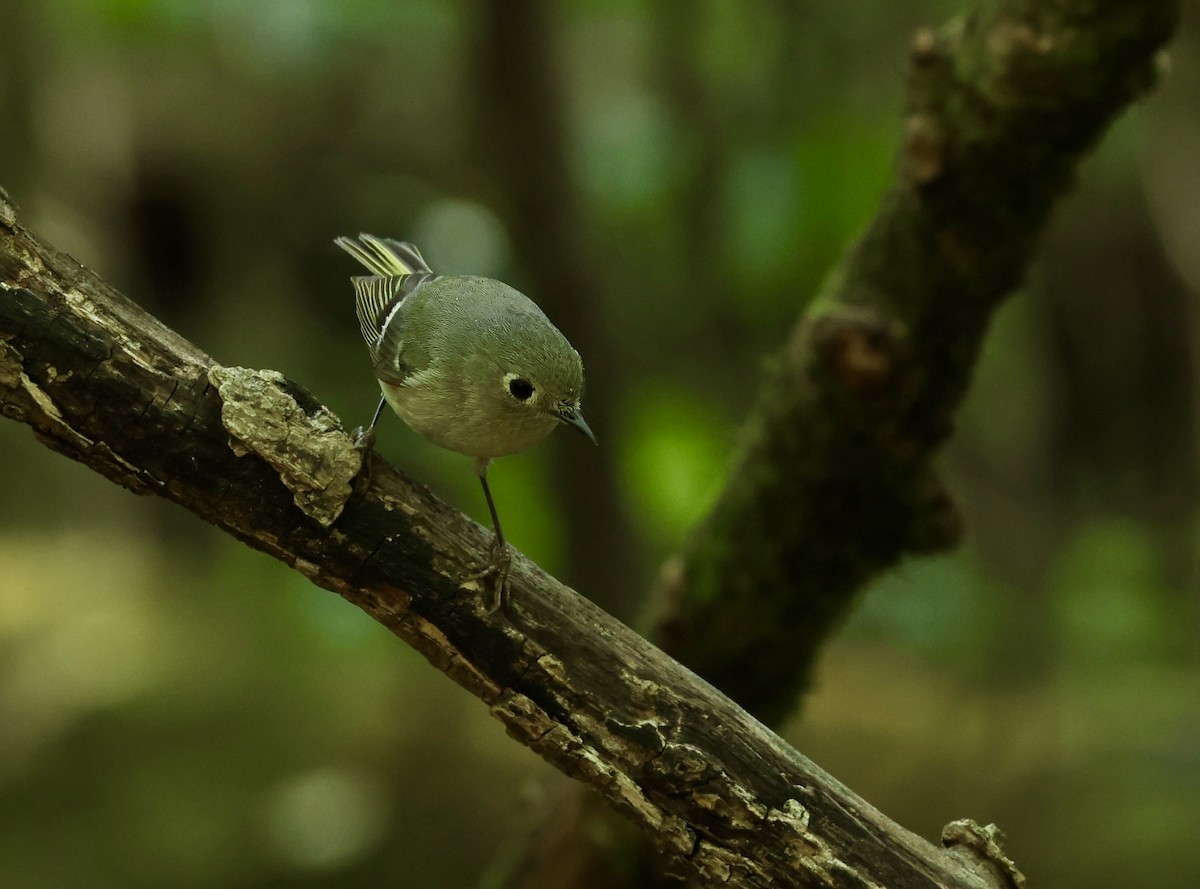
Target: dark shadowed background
177, 710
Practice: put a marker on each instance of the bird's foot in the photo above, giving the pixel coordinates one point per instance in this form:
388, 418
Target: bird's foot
364, 441
496, 573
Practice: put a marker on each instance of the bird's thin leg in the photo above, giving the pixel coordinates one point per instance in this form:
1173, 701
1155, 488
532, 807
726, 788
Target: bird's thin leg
487, 493
500, 560
364, 439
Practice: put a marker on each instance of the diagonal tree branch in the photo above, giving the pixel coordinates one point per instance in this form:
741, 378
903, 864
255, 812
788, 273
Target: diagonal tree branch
721, 797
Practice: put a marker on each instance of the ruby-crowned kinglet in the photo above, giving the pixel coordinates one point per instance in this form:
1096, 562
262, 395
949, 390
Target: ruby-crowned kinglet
469, 363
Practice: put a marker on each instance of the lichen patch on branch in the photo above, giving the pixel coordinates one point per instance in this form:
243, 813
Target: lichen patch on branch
263, 418
982, 847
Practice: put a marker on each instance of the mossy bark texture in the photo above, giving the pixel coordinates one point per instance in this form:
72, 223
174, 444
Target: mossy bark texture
835, 480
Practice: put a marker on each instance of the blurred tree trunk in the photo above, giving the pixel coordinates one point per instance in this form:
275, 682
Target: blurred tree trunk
1121, 325
522, 138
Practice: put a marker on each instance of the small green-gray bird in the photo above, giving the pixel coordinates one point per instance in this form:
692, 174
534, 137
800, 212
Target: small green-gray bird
469, 363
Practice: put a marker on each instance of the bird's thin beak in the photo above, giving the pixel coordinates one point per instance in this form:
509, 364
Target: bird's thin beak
572, 417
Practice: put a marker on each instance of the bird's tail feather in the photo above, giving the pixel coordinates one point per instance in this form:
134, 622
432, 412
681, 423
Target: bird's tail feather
383, 256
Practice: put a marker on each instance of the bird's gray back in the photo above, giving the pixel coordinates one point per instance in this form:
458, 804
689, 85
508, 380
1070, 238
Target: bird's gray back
460, 315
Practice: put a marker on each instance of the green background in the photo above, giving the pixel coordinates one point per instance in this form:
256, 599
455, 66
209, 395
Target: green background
177, 710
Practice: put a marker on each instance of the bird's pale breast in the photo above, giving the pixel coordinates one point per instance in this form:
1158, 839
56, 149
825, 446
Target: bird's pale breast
446, 419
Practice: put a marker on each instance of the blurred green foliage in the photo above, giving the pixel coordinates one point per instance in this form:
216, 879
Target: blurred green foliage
178, 710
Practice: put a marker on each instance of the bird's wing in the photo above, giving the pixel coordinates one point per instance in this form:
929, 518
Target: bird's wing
379, 303
397, 269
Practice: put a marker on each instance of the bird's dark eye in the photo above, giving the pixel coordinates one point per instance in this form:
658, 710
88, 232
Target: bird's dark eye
521, 390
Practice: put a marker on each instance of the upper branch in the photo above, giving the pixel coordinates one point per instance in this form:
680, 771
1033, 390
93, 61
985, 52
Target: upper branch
835, 482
